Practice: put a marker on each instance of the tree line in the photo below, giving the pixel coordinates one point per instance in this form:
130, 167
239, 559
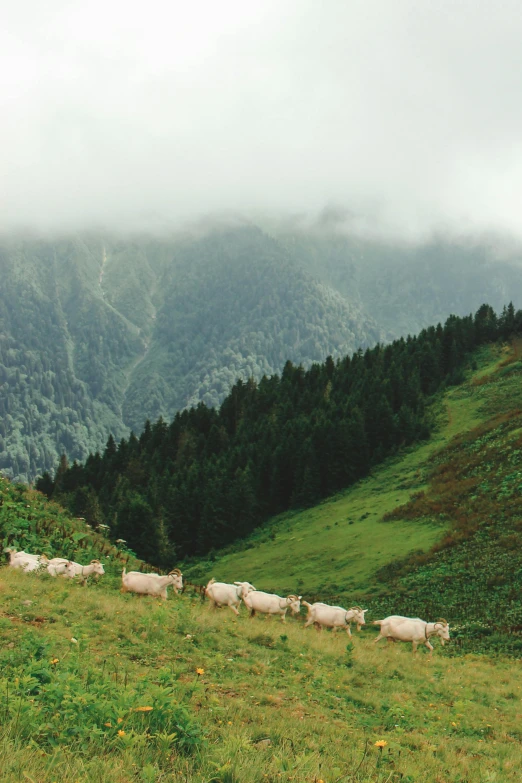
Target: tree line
212, 475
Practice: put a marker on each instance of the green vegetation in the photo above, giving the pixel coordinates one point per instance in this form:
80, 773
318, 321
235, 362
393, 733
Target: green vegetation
99, 333
335, 549
212, 476
446, 516
250, 699
270, 702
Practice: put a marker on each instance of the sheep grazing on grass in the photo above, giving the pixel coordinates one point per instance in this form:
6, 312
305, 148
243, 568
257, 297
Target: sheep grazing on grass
269, 603
25, 561
224, 594
414, 630
325, 616
73, 570
151, 584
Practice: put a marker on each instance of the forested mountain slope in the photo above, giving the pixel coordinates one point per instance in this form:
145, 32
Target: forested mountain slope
99, 333
213, 475
102, 686
408, 286
452, 505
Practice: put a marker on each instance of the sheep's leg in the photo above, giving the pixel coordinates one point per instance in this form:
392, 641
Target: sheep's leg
233, 609
429, 646
414, 645
309, 622
378, 639
252, 612
348, 630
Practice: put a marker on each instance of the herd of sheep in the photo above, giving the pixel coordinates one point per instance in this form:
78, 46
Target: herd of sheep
393, 628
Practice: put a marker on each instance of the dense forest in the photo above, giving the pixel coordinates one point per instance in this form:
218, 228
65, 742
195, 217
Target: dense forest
99, 333
212, 475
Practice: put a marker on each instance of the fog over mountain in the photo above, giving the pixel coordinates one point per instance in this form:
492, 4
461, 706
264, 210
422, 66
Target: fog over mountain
122, 117
195, 192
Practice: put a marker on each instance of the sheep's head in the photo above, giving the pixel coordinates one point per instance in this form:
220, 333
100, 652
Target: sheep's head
294, 603
246, 588
442, 628
357, 615
176, 579
98, 568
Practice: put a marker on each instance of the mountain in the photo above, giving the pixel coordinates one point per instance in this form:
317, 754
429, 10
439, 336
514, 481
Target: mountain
433, 532
99, 333
212, 475
118, 687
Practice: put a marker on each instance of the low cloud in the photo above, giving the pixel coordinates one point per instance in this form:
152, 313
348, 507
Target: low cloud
405, 116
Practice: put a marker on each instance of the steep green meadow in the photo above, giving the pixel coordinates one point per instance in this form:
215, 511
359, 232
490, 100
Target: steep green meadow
101, 687
337, 548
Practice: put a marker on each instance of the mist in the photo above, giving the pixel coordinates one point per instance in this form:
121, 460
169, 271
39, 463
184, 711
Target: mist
405, 117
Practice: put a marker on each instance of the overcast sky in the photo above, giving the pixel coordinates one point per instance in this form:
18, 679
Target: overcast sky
135, 114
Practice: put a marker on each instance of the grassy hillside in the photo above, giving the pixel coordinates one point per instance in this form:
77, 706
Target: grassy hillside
30, 522
100, 687
435, 531
340, 544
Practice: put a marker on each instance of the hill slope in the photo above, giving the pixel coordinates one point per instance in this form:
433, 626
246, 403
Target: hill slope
455, 498
103, 687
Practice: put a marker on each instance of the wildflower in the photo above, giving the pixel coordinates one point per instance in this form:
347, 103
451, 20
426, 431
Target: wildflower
453, 723
380, 744
200, 671
121, 733
109, 725
55, 661
119, 720
74, 641
143, 709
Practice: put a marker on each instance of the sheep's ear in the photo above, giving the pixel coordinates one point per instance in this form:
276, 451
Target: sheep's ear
299, 597
238, 583
364, 611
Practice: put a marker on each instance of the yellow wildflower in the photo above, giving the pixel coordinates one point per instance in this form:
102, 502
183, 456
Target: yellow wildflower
109, 724
380, 744
121, 733
55, 661
200, 671
119, 720
143, 709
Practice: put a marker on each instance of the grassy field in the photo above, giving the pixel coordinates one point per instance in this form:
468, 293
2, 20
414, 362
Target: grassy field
100, 687
108, 688
336, 548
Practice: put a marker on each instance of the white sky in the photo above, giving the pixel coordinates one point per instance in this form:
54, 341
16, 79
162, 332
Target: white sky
141, 114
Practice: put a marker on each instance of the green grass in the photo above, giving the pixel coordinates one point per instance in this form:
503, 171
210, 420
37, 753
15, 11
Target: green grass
335, 549
249, 699
273, 703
